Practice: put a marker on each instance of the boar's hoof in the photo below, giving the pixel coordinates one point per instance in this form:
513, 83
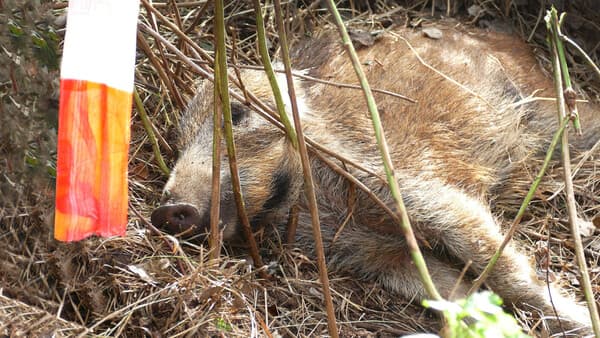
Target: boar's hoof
177, 219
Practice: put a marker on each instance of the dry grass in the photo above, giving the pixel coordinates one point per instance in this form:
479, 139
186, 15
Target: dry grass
152, 284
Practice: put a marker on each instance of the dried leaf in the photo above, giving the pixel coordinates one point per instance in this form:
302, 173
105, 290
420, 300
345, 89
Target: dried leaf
140, 272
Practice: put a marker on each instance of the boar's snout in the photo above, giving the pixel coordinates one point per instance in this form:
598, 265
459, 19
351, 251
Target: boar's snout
178, 218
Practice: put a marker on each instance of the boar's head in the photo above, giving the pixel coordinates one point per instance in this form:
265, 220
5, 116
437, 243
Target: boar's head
269, 169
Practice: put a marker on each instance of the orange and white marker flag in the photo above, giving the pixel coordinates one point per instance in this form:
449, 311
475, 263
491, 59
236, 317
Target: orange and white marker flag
95, 107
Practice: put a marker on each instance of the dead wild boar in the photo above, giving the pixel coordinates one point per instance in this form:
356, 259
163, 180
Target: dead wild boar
452, 152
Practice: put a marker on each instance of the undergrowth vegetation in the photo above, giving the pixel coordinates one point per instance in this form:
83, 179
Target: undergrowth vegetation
152, 284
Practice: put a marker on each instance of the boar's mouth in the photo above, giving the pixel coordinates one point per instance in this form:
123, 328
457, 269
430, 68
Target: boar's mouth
180, 218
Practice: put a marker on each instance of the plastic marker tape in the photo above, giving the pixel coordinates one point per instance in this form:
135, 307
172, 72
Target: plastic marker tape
95, 107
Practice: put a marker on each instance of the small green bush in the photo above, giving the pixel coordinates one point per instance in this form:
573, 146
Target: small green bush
478, 316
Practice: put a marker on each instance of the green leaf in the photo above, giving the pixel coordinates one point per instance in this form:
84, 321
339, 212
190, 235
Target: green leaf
222, 325
478, 316
14, 29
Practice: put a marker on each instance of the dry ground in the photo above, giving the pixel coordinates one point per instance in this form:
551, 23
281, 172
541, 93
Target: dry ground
148, 284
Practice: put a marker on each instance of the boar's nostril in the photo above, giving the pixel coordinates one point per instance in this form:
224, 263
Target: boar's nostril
176, 218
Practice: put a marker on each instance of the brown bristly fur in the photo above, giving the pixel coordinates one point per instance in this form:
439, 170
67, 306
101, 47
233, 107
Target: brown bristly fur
453, 151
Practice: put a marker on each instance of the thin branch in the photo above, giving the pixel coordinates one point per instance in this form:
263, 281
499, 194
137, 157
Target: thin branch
292, 225
218, 95
207, 75
150, 132
560, 66
159, 67
582, 52
460, 85
530, 194
176, 30
308, 180
405, 226
266, 60
566, 77
265, 112
170, 76
336, 84
215, 195
198, 18
221, 86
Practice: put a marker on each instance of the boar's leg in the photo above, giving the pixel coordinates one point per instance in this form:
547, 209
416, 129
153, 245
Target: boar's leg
465, 227
385, 259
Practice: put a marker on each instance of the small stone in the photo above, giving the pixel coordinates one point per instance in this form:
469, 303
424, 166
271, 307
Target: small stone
474, 10
586, 228
432, 33
361, 38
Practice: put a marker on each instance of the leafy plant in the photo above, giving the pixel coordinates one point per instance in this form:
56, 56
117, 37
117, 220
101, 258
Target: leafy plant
479, 315
222, 325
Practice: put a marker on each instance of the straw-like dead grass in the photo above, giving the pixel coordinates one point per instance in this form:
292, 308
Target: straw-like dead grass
152, 284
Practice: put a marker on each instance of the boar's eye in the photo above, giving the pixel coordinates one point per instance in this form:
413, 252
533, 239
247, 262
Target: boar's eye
238, 113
